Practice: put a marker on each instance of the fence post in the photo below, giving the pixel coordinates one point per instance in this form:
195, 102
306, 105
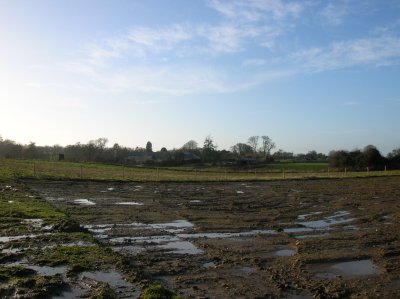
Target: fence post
329, 172
385, 170
34, 169
225, 175
81, 172
345, 172
123, 172
283, 173
367, 171
158, 174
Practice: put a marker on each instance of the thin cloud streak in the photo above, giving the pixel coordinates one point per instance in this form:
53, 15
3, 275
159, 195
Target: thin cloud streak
375, 51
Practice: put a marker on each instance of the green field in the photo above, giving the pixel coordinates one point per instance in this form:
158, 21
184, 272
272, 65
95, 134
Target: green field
12, 169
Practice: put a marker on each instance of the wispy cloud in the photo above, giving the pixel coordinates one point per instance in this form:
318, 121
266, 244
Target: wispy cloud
255, 10
334, 14
375, 51
254, 62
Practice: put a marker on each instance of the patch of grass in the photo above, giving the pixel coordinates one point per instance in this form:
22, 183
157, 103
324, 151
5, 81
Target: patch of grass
103, 292
95, 171
78, 258
157, 291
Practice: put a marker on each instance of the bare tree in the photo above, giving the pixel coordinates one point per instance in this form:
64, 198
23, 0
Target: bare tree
267, 145
253, 142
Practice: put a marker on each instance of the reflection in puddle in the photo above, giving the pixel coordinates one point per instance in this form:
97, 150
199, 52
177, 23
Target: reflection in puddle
182, 247
176, 241
84, 202
209, 265
16, 238
311, 236
346, 269
115, 280
323, 224
40, 270
285, 252
46, 270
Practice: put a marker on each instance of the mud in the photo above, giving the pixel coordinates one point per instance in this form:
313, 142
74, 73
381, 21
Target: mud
286, 239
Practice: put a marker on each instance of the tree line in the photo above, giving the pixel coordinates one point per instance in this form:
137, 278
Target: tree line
257, 150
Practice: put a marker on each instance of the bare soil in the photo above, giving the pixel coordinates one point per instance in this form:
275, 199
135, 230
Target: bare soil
282, 239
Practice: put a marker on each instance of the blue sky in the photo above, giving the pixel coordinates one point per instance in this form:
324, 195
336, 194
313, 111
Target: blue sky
312, 75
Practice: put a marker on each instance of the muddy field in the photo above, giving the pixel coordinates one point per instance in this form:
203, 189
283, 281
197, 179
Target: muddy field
286, 239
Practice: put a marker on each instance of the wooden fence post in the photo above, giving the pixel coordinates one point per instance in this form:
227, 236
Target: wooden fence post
34, 169
81, 173
283, 173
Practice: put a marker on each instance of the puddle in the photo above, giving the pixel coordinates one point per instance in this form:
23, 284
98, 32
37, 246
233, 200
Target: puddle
176, 241
11, 250
209, 265
195, 201
227, 235
243, 271
84, 202
130, 203
346, 269
40, 270
114, 279
46, 270
16, 238
182, 247
322, 224
239, 192
285, 252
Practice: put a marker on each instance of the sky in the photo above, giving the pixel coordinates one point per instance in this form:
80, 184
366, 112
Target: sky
312, 75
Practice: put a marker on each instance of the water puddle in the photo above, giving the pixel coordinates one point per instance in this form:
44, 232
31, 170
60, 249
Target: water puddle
46, 270
117, 283
239, 192
346, 269
40, 270
209, 265
182, 247
172, 236
195, 201
72, 293
243, 271
84, 202
322, 224
16, 238
130, 203
285, 252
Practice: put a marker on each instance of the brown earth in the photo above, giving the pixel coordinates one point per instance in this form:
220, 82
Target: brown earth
336, 238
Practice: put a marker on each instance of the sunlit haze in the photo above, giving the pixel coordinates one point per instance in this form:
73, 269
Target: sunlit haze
312, 75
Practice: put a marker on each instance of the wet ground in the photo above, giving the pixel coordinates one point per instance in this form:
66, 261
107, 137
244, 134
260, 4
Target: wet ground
335, 238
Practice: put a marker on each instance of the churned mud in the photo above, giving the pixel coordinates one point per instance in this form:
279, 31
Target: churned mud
336, 238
